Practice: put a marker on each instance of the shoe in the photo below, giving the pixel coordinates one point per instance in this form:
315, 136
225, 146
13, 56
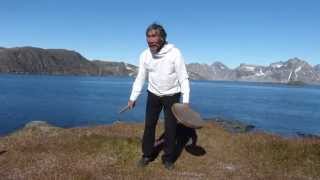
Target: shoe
143, 162
168, 165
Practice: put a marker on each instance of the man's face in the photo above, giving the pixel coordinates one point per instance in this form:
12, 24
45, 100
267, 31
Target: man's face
154, 41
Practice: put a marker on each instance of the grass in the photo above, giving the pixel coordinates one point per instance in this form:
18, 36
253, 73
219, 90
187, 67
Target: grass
111, 152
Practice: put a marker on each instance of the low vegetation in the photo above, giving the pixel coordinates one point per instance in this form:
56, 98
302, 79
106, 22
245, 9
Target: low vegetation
110, 152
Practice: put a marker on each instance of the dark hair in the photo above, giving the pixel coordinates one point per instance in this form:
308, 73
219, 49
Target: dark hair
158, 27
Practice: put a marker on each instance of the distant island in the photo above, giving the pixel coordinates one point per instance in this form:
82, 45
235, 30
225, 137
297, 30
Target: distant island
32, 60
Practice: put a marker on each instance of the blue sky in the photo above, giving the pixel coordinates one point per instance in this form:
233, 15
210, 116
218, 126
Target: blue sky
233, 32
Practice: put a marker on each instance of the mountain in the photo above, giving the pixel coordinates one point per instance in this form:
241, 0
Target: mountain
115, 68
317, 68
215, 71
295, 70
31, 60
44, 61
292, 70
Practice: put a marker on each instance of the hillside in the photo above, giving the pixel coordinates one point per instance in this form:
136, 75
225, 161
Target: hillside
31, 60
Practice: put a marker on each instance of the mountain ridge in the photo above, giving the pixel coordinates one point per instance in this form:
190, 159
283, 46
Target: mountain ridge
34, 60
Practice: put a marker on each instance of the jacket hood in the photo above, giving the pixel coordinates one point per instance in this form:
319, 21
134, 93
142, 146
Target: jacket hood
163, 51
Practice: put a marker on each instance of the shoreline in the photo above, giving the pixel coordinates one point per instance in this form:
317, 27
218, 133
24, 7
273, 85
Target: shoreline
229, 125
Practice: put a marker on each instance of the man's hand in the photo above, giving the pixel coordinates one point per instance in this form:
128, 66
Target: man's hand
131, 104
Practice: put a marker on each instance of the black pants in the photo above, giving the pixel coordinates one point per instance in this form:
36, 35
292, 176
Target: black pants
153, 109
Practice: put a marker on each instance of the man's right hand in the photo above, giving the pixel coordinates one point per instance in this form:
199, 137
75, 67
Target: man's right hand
131, 104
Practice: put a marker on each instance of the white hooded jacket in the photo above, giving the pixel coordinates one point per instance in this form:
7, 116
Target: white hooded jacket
166, 72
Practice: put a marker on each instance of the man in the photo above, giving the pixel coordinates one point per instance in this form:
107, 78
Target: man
164, 66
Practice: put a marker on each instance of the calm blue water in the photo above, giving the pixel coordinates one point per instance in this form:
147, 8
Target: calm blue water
70, 101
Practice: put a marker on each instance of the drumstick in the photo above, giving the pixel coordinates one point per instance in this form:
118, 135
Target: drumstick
124, 109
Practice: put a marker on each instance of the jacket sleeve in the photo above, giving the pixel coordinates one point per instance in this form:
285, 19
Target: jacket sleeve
139, 81
183, 77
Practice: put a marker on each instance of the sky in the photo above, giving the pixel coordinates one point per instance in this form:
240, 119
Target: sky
229, 31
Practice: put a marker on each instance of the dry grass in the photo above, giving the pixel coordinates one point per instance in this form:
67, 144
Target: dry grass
111, 152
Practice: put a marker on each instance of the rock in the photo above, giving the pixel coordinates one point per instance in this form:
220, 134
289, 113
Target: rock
36, 124
232, 126
41, 126
307, 135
